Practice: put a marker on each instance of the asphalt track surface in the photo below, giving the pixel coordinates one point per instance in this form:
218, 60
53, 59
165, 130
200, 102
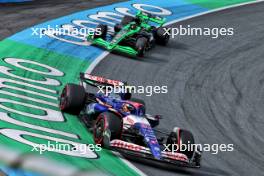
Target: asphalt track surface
215, 89
15, 17
215, 85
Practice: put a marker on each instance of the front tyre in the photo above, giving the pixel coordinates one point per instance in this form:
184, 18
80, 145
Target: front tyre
197, 158
107, 127
141, 45
117, 28
182, 138
161, 37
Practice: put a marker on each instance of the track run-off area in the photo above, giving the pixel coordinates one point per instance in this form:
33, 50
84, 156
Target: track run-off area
34, 70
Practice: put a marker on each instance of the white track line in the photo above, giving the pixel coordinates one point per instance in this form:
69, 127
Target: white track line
96, 61
105, 53
213, 11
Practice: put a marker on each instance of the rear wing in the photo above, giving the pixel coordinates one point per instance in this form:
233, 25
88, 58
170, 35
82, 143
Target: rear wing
151, 17
99, 81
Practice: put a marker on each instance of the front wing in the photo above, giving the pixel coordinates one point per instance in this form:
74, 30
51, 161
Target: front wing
178, 159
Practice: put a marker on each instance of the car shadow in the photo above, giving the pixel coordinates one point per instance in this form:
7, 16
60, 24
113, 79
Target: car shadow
177, 45
149, 57
158, 54
203, 171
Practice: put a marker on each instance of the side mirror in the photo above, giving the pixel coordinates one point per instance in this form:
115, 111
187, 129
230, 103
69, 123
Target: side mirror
158, 117
153, 120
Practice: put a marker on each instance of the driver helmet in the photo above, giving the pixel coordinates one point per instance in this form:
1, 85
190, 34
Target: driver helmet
127, 108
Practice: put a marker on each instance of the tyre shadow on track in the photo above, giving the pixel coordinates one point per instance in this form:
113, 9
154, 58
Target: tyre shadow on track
177, 45
160, 53
153, 58
203, 171
149, 57
157, 54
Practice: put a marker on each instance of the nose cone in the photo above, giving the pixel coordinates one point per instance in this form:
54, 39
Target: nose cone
155, 149
151, 140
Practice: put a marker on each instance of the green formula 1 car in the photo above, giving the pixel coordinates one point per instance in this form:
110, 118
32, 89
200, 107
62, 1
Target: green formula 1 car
133, 36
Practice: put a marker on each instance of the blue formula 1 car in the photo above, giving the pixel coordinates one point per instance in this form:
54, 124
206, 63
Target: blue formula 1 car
119, 122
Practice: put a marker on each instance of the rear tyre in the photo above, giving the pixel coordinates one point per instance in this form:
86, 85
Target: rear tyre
100, 31
72, 98
141, 45
127, 19
107, 127
182, 137
161, 37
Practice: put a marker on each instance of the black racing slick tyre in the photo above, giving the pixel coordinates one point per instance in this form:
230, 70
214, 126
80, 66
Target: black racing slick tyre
72, 98
126, 96
117, 27
108, 126
141, 45
100, 31
127, 19
182, 137
161, 37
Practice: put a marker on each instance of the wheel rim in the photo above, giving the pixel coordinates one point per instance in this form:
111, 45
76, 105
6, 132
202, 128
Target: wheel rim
99, 130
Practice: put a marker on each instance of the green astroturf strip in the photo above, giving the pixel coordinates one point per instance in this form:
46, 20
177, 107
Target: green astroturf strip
213, 4
70, 67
